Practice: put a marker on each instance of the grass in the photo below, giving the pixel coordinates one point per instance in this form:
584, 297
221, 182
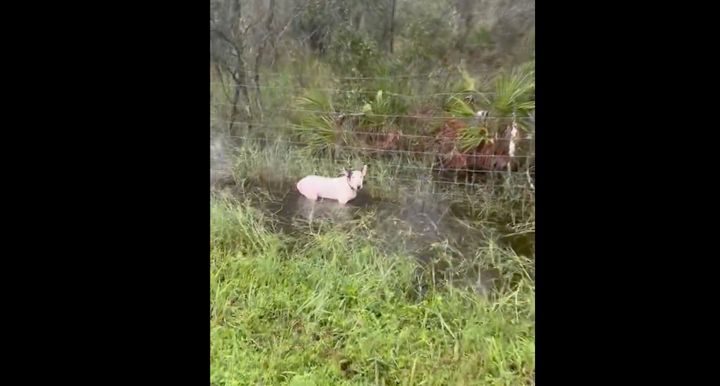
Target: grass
343, 303
390, 176
327, 306
371, 299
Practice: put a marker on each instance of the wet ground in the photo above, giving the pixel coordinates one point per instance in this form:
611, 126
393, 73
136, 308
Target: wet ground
440, 232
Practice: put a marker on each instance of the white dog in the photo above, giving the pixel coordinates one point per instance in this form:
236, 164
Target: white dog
342, 189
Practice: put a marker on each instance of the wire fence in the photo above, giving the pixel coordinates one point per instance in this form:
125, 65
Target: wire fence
410, 182
372, 149
425, 181
420, 175
261, 125
434, 116
425, 76
357, 91
371, 114
427, 173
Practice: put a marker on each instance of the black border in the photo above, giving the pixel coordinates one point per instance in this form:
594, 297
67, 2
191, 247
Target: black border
119, 133
118, 122
614, 176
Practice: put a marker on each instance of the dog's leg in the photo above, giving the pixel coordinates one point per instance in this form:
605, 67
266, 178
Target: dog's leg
312, 212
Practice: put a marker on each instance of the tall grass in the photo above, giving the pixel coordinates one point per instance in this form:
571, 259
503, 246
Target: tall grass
365, 300
328, 306
390, 177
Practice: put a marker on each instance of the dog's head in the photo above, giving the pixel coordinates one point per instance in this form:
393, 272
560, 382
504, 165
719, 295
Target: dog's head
355, 177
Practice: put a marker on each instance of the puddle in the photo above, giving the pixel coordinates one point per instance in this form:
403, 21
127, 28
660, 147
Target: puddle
441, 234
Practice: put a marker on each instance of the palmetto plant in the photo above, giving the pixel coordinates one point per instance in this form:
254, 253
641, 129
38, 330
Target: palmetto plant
513, 92
380, 111
472, 137
315, 122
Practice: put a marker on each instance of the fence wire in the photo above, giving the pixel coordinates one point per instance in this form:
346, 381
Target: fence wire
426, 178
261, 125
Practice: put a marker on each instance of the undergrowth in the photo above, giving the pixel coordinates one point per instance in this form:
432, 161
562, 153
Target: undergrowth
328, 306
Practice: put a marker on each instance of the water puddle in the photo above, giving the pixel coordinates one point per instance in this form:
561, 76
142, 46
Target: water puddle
443, 235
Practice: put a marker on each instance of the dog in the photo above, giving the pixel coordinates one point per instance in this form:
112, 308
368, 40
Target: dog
341, 189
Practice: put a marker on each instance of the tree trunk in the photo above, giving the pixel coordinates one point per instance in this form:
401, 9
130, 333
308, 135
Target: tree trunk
238, 70
465, 7
392, 26
260, 54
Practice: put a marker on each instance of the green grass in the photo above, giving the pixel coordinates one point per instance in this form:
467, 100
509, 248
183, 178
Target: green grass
328, 305
365, 301
375, 297
389, 176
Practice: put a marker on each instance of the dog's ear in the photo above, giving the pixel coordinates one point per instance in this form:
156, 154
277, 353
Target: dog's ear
364, 170
344, 173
